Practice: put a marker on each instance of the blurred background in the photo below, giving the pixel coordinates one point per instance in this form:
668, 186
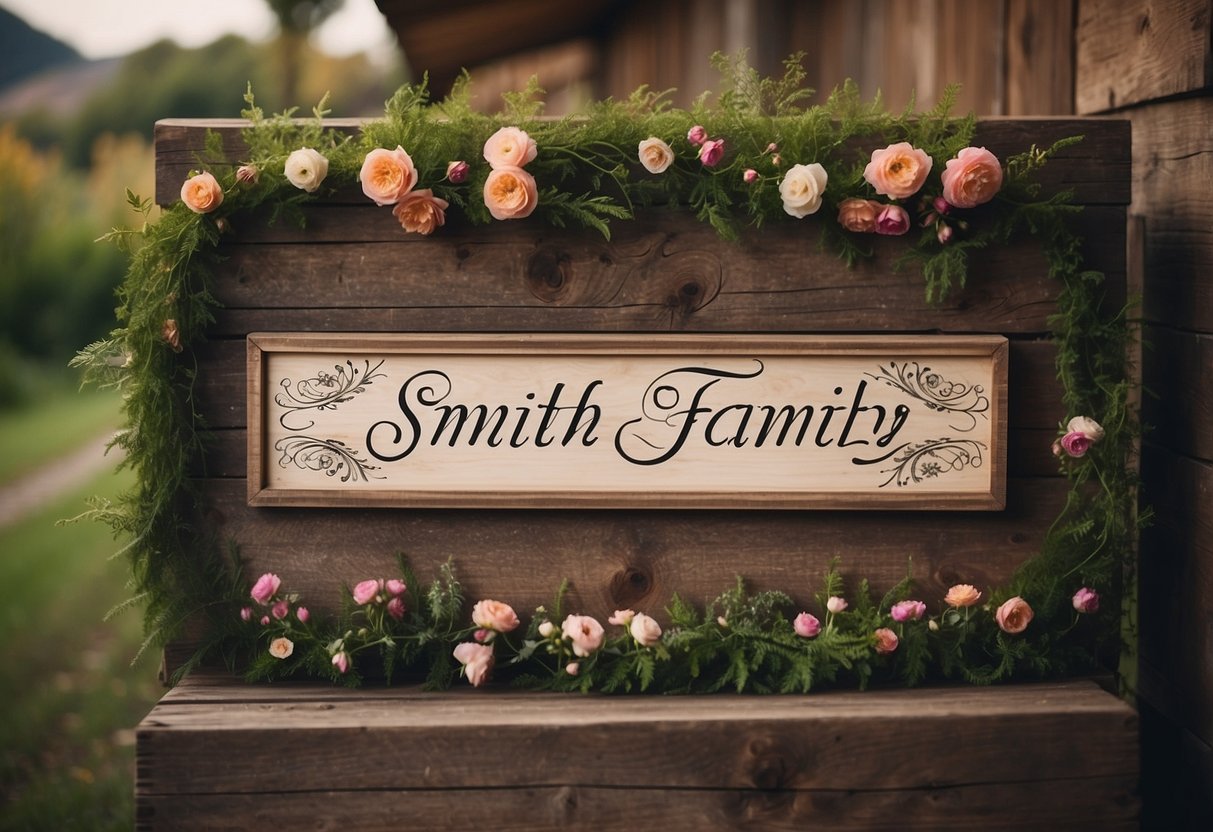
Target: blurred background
83, 81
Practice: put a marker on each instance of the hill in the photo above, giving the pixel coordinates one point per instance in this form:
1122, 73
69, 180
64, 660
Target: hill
28, 51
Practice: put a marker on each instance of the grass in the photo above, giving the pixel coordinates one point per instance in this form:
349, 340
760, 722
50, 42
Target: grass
58, 423
71, 698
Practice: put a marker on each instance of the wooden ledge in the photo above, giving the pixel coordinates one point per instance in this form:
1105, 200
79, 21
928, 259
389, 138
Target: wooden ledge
215, 753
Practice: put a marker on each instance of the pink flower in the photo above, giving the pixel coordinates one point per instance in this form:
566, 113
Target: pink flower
395, 608
421, 212
202, 193
697, 135
940, 205
892, 221
248, 175
387, 175
898, 171
303, 615
858, 215
1082, 433
246, 613
943, 233
750, 176
483, 636
494, 615
477, 661
621, 618
585, 633
772, 147
962, 595
806, 625
836, 604
886, 641
341, 661
1076, 444
365, 591
457, 172
282, 647
280, 610
972, 178
645, 630
1014, 615
572, 668
265, 588
711, 152
1086, 600
265, 620
510, 193
509, 147
908, 611
395, 586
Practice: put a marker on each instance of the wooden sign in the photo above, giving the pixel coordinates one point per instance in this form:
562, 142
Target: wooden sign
551, 421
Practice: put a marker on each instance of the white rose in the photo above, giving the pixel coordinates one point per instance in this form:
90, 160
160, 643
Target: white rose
655, 155
645, 630
801, 189
1086, 426
306, 169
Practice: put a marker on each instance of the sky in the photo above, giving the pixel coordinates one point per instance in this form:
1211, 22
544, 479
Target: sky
107, 28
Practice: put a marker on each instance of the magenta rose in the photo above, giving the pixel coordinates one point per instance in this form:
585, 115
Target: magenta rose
1076, 443
892, 221
711, 152
904, 611
395, 608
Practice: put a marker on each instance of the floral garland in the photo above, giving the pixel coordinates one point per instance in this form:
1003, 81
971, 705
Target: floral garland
723, 162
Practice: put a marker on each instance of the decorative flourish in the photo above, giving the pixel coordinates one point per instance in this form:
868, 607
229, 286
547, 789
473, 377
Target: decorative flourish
936, 392
918, 461
325, 390
332, 456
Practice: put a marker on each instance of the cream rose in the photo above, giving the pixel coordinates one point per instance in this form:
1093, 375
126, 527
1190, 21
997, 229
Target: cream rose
802, 188
509, 147
645, 630
201, 193
281, 648
387, 175
972, 178
655, 155
420, 212
898, 171
494, 615
1087, 427
306, 169
510, 193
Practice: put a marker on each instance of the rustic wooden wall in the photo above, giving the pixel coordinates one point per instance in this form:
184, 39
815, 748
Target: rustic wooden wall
1153, 63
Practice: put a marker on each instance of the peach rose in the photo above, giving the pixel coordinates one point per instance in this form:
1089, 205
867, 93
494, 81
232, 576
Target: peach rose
801, 189
886, 641
387, 175
494, 615
645, 630
898, 171
201, 193
281, 648
655, 155
1014, 615
306, 168
420, 212
585, 633
509, 147
622, 618
962, 595
477, 661
510, 193
972, 178
858, 215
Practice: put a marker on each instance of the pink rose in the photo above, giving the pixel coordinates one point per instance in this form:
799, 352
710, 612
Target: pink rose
494, 615
395, 586
806, 625
280, 610
366, 591
265, 620
1076, 443
341, 661
457, 172
303, 615
908, 611
621, 618
645, 630
572, 668
943, 233
886, 641
940, 205
1086, 600
246, 613
477, 661
202, 193
858, 215
697, 135
898, 171
750, 176
711, 152
421, 212
483, 636
772, 147
510, 193
265, 588
585, 633
972, 178
892, 221
835, 604
509, 147
962, 595
395, 608
1014, 615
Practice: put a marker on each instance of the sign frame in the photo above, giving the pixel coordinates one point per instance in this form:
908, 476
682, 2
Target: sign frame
262, 346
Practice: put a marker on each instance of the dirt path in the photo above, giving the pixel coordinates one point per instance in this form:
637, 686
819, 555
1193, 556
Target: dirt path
29, 493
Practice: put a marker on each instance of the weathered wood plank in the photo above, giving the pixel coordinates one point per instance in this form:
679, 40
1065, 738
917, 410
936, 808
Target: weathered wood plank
1097, 170
1177, 367
1039, 41
622, 559
887, 739
1130, 52
1088, 803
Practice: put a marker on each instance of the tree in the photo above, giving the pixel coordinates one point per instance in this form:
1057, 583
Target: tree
296, 20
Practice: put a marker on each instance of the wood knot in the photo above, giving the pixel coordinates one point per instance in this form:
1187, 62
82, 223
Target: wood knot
549, 275
630, 585
769, 767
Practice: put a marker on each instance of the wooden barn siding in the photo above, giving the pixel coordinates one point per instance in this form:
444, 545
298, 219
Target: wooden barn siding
357, 271
1151, 62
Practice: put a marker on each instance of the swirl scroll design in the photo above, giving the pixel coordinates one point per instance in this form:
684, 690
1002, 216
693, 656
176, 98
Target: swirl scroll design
332, 456
936, 392
325, 390
914, 462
